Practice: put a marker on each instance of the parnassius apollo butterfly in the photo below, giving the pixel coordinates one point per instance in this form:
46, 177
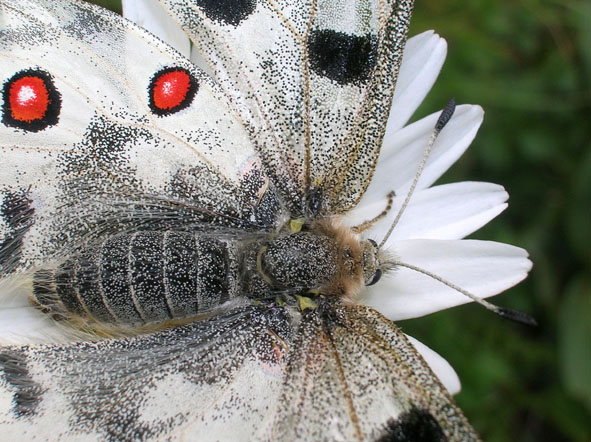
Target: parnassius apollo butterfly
176, 237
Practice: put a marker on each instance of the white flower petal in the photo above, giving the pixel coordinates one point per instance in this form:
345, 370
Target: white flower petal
449, 211
20, 322
150, 15
483, 268
26, 325
442, 369
423, 58
199, 61
403, 151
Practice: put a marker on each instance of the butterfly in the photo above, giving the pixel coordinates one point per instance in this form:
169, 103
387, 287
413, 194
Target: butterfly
178, 235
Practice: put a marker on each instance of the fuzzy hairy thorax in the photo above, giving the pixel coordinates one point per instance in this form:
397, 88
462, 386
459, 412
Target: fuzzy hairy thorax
327, 257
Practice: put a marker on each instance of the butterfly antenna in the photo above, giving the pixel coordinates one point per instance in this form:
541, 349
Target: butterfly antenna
508, 313
513, 315
443, 119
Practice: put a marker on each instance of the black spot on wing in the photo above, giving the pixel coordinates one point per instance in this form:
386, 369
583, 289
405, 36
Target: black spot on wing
342, 57
230, 12
27, 393
17, 213
102, 156
93, 176
413, 425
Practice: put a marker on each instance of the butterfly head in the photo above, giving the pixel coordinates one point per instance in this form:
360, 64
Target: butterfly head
375, 262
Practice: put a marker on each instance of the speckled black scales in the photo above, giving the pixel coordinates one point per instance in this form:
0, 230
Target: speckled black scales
355, 366
109, 164
290, 126
252, 373
317, 77
193, 379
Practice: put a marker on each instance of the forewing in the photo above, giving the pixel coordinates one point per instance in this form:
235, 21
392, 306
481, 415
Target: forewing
109, 154
313, 80
354, 376
211, 380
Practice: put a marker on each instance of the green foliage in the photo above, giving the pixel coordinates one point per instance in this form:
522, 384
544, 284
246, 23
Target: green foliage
528, 64
113, 5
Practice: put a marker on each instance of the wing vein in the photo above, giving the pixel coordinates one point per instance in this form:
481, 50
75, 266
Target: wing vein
343, 379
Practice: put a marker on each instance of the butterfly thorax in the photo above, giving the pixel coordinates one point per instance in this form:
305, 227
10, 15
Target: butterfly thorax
324, 257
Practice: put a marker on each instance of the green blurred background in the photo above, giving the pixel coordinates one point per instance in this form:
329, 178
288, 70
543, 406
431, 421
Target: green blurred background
528, 63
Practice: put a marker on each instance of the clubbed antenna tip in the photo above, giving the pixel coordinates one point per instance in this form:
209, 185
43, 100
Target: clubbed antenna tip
443, 119
516, 315
446, 114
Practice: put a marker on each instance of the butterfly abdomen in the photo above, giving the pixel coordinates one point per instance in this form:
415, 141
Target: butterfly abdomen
140, 278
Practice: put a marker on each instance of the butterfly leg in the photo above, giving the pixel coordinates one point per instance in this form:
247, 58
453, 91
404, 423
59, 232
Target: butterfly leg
370, 222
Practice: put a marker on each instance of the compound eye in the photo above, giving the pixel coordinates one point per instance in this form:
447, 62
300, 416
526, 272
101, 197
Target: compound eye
375, 278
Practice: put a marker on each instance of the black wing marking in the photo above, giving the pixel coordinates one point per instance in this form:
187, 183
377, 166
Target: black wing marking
107, 161
215, 379
353, 375
313, 82
340, 372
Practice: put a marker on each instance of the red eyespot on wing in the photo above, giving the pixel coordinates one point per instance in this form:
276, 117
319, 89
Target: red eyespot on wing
171, 90
30, 101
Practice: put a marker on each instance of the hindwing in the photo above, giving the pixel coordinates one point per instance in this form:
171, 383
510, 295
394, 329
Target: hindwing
253, 373
210, 380
353, 375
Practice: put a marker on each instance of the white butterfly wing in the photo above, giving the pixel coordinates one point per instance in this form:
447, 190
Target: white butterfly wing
253, 373
211, 380
107, 155
114, 160
314, 81
353, 375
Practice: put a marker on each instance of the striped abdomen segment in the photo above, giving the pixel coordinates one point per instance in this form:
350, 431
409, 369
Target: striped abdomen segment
142, 277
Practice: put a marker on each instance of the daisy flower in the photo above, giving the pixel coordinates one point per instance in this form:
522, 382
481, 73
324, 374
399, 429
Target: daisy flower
430, 231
